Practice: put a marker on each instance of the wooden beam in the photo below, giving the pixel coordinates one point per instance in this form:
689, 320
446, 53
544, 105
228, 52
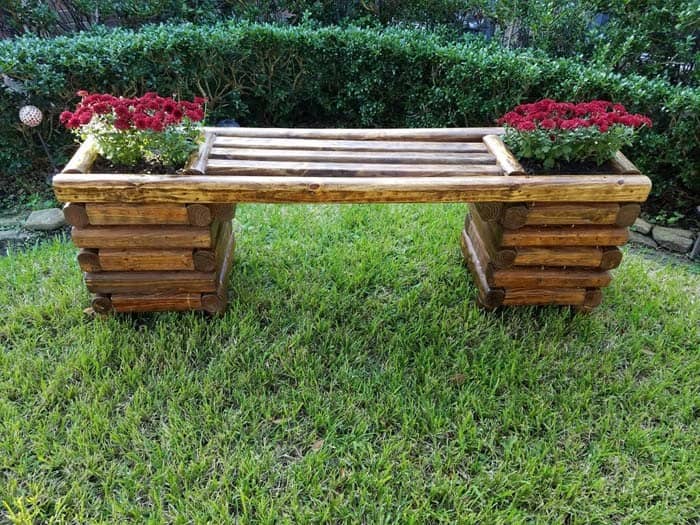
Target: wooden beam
150, 282
537, 278
350, 145
83, 159
142, 260
117, 213
163, 302
506, 160
167, 237
228, 189
488, 297
426, 134
563, 236
544, 296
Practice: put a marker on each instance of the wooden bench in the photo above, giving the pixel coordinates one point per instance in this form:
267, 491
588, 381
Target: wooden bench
164, 242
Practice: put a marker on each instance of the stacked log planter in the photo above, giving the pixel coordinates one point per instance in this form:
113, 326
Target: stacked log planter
153, 257
542, 253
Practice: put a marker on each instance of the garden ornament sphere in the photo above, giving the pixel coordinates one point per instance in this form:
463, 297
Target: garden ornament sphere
30, 116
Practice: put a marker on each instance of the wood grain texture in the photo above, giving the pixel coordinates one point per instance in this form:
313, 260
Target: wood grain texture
150, 282
236, 188
197, 164
611, 257
350, 145
488, 211
216, 302
142, 260
163, 302
83, 159
627, 214
199, 215
408, 134
543, 213
506, 160
544, 296
166, 237
345, 169
565, 236
577, 257
547, 278
117, 213
488, 297
89, 260
365, 157
623, 165
75, 214
484, 244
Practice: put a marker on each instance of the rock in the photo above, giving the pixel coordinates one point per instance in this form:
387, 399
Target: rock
45, 220
638, 238
642, 226
12, 220
13, 235
673, 239
695, 252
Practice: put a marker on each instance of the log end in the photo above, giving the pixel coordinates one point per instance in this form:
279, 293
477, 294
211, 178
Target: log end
213, 303
101, 304
199, 214
204, 260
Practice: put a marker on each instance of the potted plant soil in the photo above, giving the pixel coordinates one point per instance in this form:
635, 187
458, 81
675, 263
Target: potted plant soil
146, 256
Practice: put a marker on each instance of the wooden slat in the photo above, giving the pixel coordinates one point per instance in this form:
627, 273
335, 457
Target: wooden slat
488, 297
141, 260
543, 213
142, 237
563, 236
582, 257
82, 160
113, 214
345, 169
547, 278
365, 157
544, 296
150, 282
349, 145
423, 134
506, 160
227, 189
198, 161
163, 302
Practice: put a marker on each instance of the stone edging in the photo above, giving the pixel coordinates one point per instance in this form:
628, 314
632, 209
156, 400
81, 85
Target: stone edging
676, 240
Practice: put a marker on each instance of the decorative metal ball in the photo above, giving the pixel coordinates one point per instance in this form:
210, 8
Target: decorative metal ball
30, 116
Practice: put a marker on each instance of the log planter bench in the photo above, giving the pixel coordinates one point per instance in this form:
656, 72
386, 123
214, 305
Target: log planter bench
164, 242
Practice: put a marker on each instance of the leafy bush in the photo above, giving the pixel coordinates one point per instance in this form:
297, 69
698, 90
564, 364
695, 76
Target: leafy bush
295, 76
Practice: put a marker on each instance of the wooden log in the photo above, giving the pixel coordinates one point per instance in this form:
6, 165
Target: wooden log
204, 260
514, 216
627, 214
216, 302
143, 260
83, 159
565, 236
498, 257
223, 212
150, 282
538, 278
167, 237
117, 213
488, 297
345, 169
581, 257
544, 296
410, 134
89, 260
349, 145
197, 164
75, 214
488, 211
552, 214
101, 304
260, 188
199, 215
611, 257
506, 160
211, 260
162, 302
491, 233
388, 157
622, 165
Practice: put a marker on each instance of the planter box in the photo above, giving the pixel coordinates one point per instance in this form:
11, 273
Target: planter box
151, 256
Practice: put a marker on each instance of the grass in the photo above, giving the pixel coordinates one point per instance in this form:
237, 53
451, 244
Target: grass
352, 379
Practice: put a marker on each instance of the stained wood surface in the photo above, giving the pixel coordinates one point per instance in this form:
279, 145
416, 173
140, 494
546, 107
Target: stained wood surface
140, 260
407, 134
540, 214
584, 256
349, 145
628, 214
75, 214
161, 302
89, 260
623, 165
237, 188
150, 282
82, 160
142, 237
544, 296
565, 236
509, 164
116, 213
198, 161
547, 278
488, 297
216, 302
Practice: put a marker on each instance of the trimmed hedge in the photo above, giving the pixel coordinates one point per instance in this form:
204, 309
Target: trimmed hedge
267, 75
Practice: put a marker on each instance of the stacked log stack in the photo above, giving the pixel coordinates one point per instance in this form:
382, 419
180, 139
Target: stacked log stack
154, 257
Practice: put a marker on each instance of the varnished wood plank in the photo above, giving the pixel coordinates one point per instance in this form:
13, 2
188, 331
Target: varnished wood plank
216, 302
488, 297
506, 160
583, 257
82, 160
142, 237
544, 296
547, 278
349, 145
150, 282
163, 302
236, 188
408, 134
365, 157
483, 242
565, 236
345, 169
140, 260
117, 213
543, 213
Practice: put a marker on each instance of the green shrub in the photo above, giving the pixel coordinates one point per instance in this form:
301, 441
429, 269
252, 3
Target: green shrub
293, 76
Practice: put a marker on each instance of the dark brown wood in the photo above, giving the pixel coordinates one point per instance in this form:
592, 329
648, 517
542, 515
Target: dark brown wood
515, 216
161, 302
204, 260
627, 214
409, 134
544, 296
499, 258
145, 259
89, 260
119, 214
223, 212
101, 304
75, 214
506, 160
166, 237
488, 297
553, 214
199, 215
216, 302
565, 236
150, 282
581, 256
537, 278
611, 257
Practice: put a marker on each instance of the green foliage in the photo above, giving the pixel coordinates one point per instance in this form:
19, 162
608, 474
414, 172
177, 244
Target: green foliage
294, 76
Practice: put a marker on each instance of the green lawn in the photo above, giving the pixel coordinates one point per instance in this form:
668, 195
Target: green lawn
352, 379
